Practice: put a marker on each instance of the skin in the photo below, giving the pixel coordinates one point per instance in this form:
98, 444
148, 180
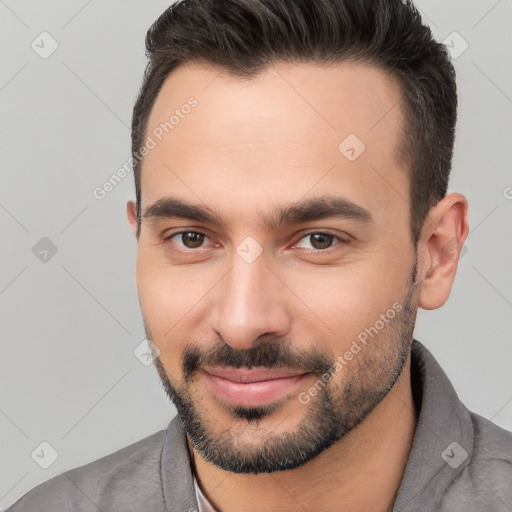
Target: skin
251, 146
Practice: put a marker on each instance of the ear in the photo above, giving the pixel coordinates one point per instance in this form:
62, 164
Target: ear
443, 235
131, 213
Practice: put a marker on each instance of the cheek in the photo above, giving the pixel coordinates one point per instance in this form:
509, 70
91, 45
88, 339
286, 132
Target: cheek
344, 301
172, 300
165, 292
163, 301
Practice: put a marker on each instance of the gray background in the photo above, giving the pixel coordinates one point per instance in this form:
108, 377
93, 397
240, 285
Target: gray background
71, 321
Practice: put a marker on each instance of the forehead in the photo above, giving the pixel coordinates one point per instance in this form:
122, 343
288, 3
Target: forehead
293, 128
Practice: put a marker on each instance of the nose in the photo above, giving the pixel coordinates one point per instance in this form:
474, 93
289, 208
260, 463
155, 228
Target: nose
249, 302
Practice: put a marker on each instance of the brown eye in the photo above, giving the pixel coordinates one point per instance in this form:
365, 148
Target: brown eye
317, 241
188, 239
192, 240
321, 240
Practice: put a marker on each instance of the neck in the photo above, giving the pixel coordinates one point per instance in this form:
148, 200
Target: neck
375, 451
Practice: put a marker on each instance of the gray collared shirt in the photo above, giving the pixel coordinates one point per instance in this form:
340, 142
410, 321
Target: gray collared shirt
459, 461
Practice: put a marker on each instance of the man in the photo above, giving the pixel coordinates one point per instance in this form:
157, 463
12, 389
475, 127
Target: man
291, 162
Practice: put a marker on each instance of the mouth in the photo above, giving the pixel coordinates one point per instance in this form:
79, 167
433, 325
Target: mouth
252, 387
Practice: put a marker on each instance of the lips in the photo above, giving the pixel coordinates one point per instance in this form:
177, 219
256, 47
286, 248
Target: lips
252, 387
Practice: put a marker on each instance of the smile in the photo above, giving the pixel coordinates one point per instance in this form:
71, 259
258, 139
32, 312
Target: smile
251, 387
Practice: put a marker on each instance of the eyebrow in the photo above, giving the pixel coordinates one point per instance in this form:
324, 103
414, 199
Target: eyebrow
309, 210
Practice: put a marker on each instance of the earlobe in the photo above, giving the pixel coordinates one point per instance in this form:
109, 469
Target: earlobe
131, 213
444, 233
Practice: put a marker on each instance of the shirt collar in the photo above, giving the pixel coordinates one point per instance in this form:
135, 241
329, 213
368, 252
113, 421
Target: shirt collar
443, 441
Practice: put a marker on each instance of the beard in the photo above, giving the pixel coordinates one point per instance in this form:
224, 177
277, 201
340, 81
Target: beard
335, 410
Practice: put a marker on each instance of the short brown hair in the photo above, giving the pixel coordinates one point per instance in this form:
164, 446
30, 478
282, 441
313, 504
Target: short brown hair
244, 37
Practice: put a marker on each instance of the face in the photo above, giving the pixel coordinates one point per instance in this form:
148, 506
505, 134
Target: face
275, 269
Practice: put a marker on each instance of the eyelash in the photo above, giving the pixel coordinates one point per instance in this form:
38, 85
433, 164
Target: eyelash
311, 251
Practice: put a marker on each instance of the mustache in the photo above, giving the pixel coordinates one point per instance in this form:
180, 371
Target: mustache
268, 354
